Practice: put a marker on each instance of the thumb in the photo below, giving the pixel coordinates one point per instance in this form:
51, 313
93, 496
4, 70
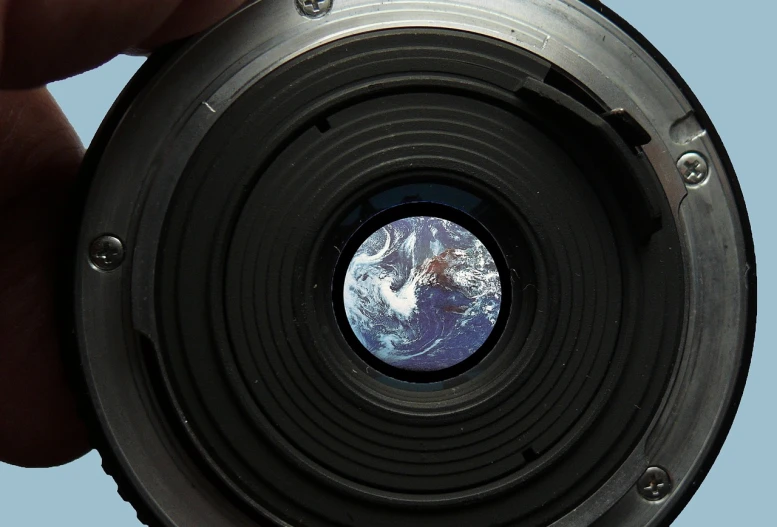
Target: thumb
39, 158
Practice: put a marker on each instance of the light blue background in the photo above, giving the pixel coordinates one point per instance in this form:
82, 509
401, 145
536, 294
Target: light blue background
725, 50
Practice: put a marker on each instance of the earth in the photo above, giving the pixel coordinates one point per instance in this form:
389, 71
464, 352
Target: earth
422, 294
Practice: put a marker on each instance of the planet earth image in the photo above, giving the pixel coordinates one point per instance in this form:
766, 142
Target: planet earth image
422, 294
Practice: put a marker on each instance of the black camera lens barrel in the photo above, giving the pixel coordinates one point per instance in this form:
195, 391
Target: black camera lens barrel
238, 167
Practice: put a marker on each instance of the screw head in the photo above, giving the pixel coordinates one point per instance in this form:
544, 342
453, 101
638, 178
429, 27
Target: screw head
106, 253
693, 167
314, 8
654, 485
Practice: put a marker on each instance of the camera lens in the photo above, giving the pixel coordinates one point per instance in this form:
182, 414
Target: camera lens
396, 264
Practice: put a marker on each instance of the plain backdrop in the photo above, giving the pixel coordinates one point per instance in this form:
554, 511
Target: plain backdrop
725, 50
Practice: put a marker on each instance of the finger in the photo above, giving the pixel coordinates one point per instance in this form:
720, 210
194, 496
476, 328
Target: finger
190, 17
45, 41
39, 157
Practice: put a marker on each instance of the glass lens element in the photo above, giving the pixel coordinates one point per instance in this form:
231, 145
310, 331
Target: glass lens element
422, 294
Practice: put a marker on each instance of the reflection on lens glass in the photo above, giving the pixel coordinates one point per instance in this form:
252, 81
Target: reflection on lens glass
422, 294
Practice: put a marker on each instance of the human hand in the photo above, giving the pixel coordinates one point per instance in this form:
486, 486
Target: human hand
40, 154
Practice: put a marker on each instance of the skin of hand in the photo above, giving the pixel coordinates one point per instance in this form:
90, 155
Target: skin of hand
40, 154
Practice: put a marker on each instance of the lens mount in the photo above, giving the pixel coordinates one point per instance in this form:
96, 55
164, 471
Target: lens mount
241, 170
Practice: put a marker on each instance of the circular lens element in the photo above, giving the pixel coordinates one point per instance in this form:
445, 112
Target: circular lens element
422, 294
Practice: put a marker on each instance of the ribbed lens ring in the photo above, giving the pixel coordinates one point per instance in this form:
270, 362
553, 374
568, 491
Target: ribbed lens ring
294, 385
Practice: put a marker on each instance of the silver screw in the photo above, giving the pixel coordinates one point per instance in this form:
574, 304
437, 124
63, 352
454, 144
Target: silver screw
106, 253
693, 167
654, 485
314, 8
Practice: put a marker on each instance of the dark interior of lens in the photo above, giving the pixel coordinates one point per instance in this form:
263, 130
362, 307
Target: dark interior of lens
282, 405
